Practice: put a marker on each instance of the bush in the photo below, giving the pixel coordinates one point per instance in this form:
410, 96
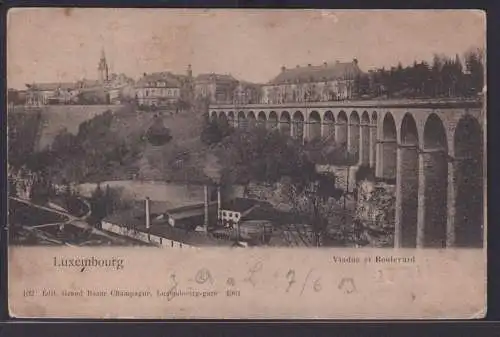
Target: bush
158, 135
365, 172
214, 131
327, 152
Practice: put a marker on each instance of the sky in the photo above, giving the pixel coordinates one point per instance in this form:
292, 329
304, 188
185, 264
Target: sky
64, 45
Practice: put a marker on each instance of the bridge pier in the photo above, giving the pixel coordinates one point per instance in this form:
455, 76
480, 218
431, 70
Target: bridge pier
421, 201
353, 140
364, 142
386, 159
379, 159
373, 145
406, 196
432, 199
452, 196
341, 133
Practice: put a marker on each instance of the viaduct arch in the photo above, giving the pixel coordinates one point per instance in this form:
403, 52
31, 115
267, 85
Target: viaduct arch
432, 151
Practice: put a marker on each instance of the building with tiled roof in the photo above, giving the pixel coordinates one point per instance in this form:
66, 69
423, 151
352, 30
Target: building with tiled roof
164, 88
313, 83
158, 89
49, 93
215, 88
247, 93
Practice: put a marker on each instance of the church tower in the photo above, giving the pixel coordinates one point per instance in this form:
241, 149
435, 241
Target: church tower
102, 68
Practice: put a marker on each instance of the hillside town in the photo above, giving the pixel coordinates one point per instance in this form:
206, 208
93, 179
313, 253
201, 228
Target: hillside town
326, 82
334, 81
187, 160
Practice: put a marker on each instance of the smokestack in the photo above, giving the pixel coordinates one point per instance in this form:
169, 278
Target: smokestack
206, 207
147, 213
218, 202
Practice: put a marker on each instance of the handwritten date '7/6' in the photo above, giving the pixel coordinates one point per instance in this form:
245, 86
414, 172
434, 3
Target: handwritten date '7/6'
290, 281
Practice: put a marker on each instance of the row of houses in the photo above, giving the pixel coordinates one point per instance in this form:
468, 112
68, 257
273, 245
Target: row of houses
112, 91
326, 82
311, 83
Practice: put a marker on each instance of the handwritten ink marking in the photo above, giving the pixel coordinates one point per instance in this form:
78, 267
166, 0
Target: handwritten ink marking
380, 275
252, 271
231, 282
171, 293
82, 270
256, 267
291, 279
347, 284
317, 285
203, 275
305, 281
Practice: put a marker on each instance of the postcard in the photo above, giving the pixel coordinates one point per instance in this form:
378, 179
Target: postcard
246, 163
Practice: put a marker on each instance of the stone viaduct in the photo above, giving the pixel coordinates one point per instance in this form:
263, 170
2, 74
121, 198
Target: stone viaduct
433, 151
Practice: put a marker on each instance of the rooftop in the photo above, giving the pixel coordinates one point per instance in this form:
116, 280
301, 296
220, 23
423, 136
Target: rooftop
324, 72
241, 204
215, 77
51, 86
189, 211
135, 218
171, 80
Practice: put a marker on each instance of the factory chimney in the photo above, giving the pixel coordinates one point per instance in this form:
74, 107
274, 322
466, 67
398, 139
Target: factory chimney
147, 213
206, 208
218, 203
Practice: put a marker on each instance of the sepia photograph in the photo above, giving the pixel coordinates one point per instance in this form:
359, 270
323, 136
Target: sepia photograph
300, 131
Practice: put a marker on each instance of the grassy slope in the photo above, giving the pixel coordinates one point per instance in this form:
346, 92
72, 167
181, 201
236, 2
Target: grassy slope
59, 117
185, 129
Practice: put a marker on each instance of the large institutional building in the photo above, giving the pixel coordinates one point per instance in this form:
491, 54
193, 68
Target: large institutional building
322, 83
326, 82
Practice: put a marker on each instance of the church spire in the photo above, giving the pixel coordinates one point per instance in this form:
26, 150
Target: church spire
103, 68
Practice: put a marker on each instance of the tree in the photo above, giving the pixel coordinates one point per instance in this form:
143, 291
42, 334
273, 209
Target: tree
158, 134
214, 131
314, 202
261, 155
98, 205
475, 69
40, 190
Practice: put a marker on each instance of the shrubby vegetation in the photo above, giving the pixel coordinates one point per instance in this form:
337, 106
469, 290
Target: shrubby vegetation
445, 77
266, 156
96, 152
23, 129
327, 152
158, 134
104, 202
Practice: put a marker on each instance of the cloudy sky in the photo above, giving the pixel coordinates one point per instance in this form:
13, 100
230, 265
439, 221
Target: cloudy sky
58, 45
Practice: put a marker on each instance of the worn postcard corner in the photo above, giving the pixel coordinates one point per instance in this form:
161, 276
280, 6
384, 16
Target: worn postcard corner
266, 164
